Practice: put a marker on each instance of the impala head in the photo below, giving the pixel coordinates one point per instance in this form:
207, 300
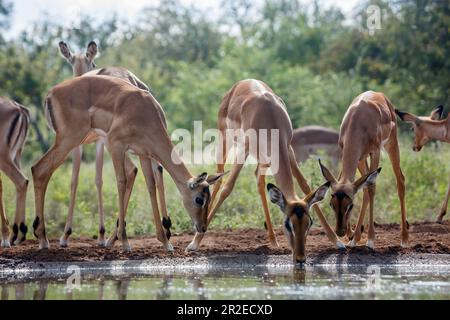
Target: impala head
82, 62
297, 218
343, 194
420, 133
197, 200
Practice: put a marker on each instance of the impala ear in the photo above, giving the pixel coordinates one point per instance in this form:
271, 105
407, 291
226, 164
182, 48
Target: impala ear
406, 116
437, 113
194, 182
367, 180
65, 51
326, 173
91, 51
317, 195
276, 196
213, 179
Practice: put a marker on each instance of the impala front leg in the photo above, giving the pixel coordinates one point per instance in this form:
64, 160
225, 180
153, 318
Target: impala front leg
440, 218
100, 151
5, 232
118, 154
147, 169
158, 171
132, 171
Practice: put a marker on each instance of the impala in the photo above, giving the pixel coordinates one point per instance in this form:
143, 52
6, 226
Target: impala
83, 64
369, 125
312, 140
130, 119
252, 105
14, 124
426, 129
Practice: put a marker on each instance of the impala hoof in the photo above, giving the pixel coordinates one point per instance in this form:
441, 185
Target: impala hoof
352, 243
370, 244
44, 244
6, 244
126, 247
340, 245
193, 246
274, 242
102, 243
169, 247
63, 243
404, 243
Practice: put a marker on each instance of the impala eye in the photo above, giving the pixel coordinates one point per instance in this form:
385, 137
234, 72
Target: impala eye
199, 201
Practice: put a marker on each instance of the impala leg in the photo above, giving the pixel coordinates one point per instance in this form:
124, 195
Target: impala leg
76, 162
5, 232
161, 235
363, 169
42, 172
131, 171
10, 168
394, 155
221, 158
100, 153
444, 206
261, 182
118, 153
226, 191
374, 164
23, 229
161, 192
306, 189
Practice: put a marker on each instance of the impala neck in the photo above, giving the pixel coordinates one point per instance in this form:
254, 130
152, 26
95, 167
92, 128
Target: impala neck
172, 162
350, 159
283, 177
437, 130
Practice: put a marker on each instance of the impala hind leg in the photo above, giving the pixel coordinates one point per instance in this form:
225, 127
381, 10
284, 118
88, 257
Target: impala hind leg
19, 229
363, 169
5, 225
394, 155
77, 153
443, 211
42, 172
147, 169
131, 173
221, 158
158, 173
306, 190
241, 154
261, 183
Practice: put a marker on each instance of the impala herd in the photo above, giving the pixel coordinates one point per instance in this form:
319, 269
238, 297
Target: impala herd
116, 110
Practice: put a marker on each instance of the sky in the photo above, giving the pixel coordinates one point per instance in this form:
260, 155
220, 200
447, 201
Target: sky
28, 11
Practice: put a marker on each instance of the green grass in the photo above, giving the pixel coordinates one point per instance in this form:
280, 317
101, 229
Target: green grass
426, 182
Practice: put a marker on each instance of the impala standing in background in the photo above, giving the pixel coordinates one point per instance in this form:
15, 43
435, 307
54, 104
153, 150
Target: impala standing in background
369, 125
83, 64
252, 105
14, 124
312, 140
130, 119
426, 129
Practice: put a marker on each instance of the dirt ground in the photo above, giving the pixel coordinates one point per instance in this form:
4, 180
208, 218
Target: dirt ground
426, 237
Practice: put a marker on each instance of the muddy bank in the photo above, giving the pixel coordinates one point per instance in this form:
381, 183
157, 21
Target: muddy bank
428, 241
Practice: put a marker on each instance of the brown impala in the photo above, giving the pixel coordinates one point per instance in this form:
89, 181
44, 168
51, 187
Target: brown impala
426, 129
129, 119
369, 125
14, 124
252, 105
83, 64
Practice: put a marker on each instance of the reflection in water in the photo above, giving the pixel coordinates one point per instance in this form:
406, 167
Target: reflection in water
318, 282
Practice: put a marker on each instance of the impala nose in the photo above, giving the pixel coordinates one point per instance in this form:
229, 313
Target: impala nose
300, 263
417, 149
340, 232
